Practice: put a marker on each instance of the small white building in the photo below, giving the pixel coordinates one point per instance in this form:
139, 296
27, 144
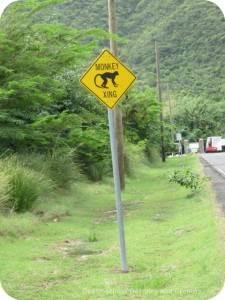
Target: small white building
194, 147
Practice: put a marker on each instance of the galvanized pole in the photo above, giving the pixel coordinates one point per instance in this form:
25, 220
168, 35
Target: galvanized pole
117, 190
114, 150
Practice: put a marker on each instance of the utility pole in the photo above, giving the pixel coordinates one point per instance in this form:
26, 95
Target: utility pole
163, 152
117, 112
113, 117
171, 115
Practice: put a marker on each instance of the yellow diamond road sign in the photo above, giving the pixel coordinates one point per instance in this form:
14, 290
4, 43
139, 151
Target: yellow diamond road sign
108, 79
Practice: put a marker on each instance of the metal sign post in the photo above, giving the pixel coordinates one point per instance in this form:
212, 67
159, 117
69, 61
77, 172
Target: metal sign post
109, 79
113, 140
179, 139
116, 177
110, 91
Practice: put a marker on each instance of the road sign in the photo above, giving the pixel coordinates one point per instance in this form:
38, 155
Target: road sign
108, 79
178, 137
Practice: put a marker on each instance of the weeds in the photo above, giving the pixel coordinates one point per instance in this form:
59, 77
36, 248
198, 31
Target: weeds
187, 178
92, 237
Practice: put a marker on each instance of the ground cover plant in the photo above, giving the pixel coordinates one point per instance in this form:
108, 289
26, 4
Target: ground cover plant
186, 177
67, 247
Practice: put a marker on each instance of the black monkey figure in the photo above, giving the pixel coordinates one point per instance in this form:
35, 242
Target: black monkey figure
105, 76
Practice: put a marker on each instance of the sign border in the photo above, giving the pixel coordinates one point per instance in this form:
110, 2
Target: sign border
92, 66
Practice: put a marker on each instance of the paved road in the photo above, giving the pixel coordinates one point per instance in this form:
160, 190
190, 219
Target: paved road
214, 167
216, 161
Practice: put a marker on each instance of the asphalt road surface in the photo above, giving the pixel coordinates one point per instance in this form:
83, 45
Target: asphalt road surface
214, 167
216, 161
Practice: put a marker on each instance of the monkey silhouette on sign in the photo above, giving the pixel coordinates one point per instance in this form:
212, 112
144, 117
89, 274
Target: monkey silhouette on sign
105, 76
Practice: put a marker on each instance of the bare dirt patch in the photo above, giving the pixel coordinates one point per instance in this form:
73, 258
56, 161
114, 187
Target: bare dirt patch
80, 250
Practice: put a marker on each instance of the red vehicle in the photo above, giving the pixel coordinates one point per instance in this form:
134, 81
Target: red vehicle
210, 149
214, 144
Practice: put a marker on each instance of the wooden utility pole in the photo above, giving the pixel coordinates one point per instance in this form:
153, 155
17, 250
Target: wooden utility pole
117, 112
171, 114
163, 152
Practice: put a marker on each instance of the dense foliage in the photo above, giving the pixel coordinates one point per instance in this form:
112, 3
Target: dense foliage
41, 101
191, 38
45, 50
190, 34
43, 106
195, 117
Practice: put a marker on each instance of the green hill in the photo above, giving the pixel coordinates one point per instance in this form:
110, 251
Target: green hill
190, 33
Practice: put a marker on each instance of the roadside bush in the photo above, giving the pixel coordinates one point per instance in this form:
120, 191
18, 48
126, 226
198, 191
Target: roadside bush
97, 171
25, 189
4, 192
187, 178
22, 186
152, 153
34, 161
133, 154
61, 167
128, 166
93, 151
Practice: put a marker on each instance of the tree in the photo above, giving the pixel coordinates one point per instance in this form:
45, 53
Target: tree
141, 116
196, 117
34, 54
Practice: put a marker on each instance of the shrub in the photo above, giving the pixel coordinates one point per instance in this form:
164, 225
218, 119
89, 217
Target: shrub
61, 168
4, 192
92, 147
96, 172
34, 161
132, 155
187, 178
25, 188
152, 153
21, 186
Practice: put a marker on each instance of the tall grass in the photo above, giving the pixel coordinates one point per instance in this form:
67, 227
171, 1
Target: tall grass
26, 178
96, 172
20, 186
152, 153
61, 167
4, 192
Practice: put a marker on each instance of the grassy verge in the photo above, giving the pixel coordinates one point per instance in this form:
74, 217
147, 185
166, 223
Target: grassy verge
69, 248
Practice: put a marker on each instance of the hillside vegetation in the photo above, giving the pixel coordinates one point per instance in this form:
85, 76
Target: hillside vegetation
58, 225
190, 34
47, 45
